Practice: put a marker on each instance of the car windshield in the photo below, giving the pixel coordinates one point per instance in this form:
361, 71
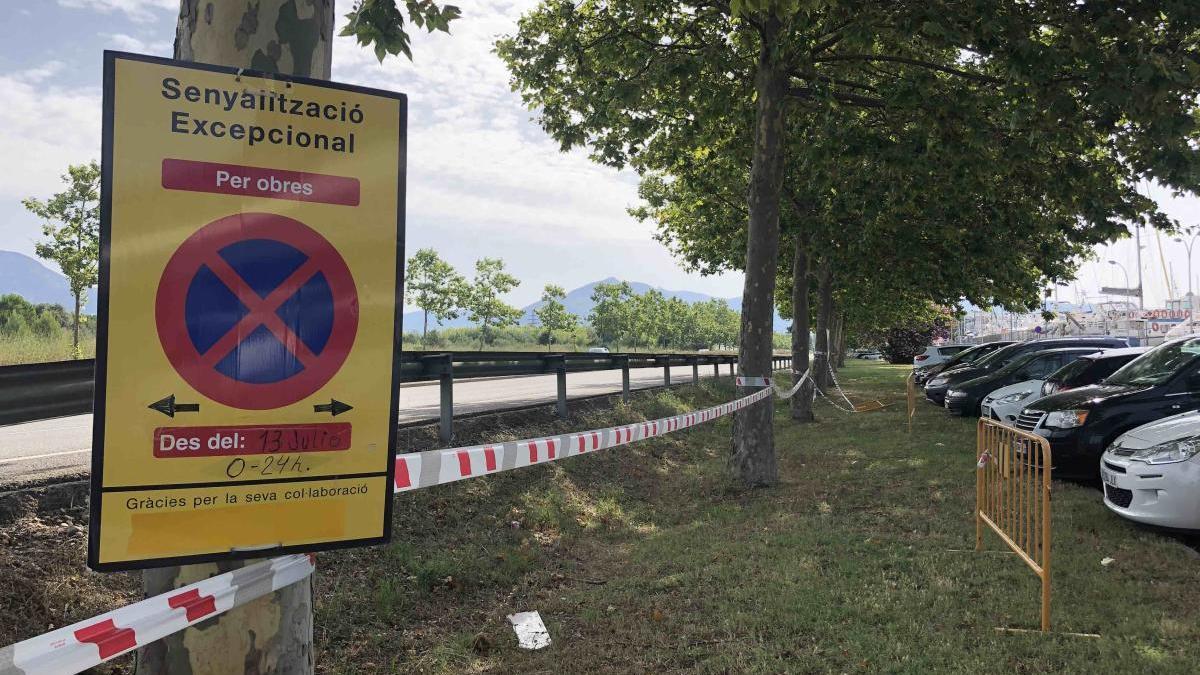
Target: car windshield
999, 357
1017, 363
966, 356
1069, 372
1157, 365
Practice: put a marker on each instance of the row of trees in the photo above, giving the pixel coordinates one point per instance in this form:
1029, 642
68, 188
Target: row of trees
619, 316
863, 163
20, 318
433, 285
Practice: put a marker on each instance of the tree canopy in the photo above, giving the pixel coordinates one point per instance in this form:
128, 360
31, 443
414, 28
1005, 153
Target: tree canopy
968, 149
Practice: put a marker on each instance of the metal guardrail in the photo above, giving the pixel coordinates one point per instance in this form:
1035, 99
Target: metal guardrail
45, 390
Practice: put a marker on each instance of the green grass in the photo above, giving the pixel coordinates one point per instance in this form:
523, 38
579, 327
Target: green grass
650, 559
32, 349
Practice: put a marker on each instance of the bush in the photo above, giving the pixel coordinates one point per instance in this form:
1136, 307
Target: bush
903, 343
47, 327
14, 326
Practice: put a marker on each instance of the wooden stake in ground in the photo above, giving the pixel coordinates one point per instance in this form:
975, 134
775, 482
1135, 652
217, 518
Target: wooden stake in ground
274, 633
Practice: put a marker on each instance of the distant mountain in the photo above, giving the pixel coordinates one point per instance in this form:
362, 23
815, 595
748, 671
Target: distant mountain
579, 303
32, 280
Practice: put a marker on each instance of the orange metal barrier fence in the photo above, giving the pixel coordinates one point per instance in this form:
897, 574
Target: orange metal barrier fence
1012, 497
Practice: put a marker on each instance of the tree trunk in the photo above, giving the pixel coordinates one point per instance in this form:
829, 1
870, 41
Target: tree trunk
272, 634
824, 316
802, 400
293, 37
425, 329
753, 456
75, 338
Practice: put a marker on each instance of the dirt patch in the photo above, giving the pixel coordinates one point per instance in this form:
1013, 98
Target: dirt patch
44, 580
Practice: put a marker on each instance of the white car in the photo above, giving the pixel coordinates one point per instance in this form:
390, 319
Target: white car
597, 350
934, 355
1151, 474
1005, 403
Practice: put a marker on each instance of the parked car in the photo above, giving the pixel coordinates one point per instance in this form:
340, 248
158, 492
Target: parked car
965, 398
1081, 423
598, 350
933, 355
964, 358
1006, 403
1090, 369
935, 388
1151, 474
869, 356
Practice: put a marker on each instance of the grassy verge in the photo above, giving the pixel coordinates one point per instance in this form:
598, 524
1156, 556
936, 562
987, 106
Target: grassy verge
32, 349
649, 559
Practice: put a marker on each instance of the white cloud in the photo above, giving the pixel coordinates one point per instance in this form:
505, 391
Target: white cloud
47, 127
129, 43
136, 10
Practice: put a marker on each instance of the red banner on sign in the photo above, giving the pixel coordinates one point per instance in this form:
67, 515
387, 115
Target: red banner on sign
253, 181
250, 440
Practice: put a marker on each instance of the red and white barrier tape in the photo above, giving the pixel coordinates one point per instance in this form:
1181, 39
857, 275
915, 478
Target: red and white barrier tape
435, 467
91, 642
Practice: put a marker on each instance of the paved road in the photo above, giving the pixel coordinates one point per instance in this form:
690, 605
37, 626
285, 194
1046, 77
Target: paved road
47, 448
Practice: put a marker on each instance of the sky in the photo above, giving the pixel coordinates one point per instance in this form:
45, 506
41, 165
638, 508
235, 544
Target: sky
483, 179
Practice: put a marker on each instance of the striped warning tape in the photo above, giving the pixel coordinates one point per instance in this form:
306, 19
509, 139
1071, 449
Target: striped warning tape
91, 642
435, 467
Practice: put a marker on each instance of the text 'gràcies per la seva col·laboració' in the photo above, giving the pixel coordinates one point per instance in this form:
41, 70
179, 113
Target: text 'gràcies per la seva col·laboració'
227, 100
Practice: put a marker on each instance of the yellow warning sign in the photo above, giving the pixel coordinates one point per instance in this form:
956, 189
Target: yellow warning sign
252, 238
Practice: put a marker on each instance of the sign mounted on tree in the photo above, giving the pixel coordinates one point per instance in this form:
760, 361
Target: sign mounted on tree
252, 238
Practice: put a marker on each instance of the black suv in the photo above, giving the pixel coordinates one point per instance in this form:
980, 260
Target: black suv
935, 389
964, 358
1090, 369
1081, 423
964, 398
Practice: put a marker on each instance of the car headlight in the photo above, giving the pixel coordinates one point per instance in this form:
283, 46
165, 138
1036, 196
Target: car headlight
1169, 452
1066, 419
954, 393
1014, 397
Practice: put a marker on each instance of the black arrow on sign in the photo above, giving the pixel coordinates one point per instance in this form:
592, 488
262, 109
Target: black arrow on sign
334, 407
169, 407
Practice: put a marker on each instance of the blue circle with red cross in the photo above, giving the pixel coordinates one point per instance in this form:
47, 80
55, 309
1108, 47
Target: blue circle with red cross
256, 310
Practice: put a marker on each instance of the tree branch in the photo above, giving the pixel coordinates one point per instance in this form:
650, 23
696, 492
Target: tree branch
912, 62
806, 93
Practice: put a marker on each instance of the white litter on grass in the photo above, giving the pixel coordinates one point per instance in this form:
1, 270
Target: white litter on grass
1107, 561
531, 632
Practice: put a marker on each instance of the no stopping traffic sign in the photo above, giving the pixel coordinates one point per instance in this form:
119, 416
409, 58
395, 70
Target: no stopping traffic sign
256, 310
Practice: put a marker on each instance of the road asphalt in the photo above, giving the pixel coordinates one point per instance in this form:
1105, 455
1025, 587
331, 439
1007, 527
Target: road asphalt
45, 449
